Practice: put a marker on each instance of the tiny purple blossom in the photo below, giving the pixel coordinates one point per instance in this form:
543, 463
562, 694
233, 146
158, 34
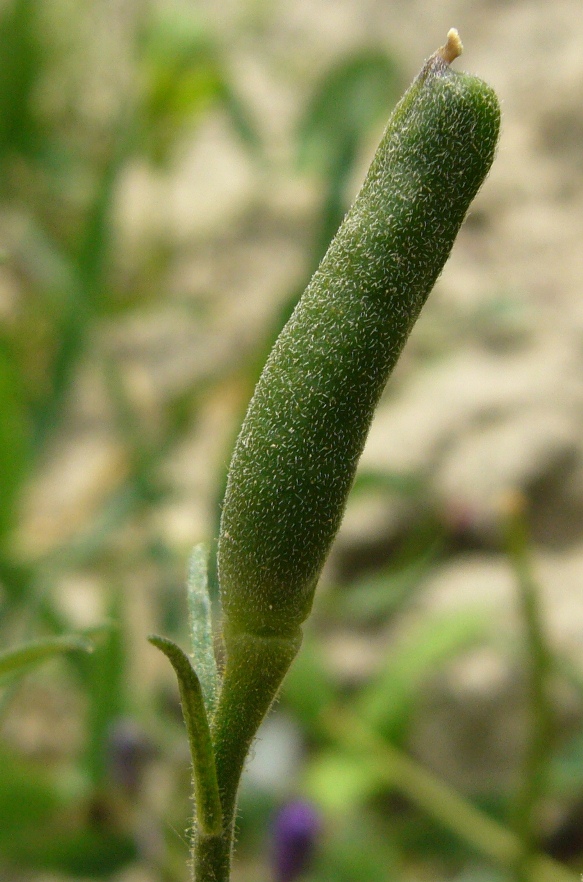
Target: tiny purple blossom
128, 751
295, 832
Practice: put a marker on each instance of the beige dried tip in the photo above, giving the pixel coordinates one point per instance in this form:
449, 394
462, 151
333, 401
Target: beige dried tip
453, 48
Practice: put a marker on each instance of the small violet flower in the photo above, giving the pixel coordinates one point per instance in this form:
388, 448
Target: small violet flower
128, 752
295, 833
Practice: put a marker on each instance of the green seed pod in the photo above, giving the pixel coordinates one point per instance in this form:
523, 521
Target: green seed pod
297, 452
296, 455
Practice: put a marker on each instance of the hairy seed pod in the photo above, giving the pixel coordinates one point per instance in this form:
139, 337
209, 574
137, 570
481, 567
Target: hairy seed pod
297, 452
296, 455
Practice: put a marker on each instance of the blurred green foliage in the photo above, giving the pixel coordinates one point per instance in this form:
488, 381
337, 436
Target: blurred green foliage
87, 810
351, 99
61, 169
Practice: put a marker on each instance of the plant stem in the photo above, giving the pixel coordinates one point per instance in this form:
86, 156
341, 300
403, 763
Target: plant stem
212, 856
251, 659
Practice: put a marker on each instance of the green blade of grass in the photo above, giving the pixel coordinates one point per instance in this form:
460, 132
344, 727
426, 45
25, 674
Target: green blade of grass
15, 660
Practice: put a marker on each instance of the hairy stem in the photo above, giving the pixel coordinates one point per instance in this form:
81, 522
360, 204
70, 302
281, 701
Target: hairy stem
255, 667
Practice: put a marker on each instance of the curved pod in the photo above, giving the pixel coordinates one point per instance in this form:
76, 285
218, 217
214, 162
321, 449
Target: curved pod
296, 455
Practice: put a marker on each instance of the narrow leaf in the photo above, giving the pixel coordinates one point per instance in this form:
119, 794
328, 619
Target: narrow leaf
28, 654
387, 702
201, 627
351, 98
206, 789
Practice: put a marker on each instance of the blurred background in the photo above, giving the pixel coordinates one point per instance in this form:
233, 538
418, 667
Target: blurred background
170, 175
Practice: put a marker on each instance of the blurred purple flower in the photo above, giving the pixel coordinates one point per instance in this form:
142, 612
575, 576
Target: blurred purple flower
128, 752
295, 832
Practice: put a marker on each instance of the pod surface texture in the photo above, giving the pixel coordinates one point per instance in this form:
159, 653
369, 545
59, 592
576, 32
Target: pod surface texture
297, 452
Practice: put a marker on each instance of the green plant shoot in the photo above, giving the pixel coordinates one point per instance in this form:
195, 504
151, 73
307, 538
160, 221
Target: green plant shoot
296, 455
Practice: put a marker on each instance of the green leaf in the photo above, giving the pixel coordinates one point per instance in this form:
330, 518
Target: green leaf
387, 703
104, 682
208, 805
23, 62
14, 440
353, 96
201, 627
341, 783
381, 595
240, 119
184, 75
28, 654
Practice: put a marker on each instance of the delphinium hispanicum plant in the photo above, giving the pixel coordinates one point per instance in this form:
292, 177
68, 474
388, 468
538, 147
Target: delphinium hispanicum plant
297, 452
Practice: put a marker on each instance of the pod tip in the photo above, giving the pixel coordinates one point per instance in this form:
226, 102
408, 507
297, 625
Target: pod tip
453, 47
